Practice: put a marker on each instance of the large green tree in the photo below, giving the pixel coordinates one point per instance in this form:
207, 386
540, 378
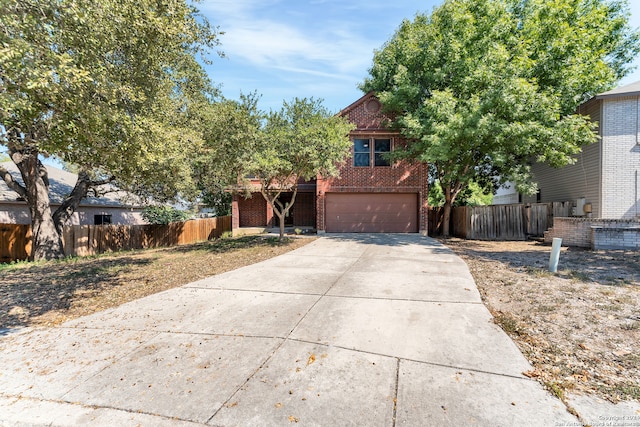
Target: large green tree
232, 132
484, 87
113, 86
299, 142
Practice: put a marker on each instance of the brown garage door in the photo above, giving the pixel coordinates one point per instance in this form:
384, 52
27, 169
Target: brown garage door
372, 213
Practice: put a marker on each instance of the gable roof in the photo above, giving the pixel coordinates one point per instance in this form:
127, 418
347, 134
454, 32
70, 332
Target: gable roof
368, 114
61, 184
632, 89
366, 97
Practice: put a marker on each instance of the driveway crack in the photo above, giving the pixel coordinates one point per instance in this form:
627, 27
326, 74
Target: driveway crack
395, 394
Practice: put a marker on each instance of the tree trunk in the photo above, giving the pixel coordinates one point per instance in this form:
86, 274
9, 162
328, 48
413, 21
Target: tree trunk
446, 218
46, 240
47, 243
281, 217
46, 226
450, 194
279, 209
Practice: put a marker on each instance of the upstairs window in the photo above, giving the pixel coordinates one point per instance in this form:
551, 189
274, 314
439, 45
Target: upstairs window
381, 147
371, 152
361, 152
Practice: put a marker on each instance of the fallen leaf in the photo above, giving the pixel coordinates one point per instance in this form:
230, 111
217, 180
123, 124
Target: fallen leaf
293, 419
278, 405
311, 359
532, 374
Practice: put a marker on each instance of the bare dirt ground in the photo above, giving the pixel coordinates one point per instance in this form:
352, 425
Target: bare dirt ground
49, 293
580, 327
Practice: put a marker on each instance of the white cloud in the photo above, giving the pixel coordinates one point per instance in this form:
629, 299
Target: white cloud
329, 49
287, 48
267, 43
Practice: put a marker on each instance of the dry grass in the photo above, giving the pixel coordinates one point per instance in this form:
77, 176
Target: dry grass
49, 293
579, 328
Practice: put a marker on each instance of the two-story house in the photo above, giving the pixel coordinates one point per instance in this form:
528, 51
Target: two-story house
606, 174
371, 194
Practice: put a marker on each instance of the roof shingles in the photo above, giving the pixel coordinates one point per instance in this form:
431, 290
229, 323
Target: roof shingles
61, 184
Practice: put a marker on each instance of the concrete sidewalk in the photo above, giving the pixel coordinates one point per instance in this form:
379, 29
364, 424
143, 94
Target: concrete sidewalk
370, 330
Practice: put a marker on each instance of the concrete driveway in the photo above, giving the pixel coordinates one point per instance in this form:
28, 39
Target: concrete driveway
370, 330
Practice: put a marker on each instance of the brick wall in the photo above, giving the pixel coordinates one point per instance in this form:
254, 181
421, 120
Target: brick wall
401, 177
620, 158
596, 233
615, 238
252, 211
366, 113
573, 231
256, 212
304, 213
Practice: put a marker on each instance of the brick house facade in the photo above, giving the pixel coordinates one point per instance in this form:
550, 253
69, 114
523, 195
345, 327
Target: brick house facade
370, 194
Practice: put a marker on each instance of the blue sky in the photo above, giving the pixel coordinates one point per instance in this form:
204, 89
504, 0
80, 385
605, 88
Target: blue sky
310, 48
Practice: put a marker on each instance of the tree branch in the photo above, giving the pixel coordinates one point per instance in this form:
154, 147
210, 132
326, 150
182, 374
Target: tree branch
72, 201
12, 183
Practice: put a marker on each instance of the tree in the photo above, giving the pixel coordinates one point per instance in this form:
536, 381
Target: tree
232, 132
111, 86
472, 195
164, 215
484, 87
219, 201
299, 142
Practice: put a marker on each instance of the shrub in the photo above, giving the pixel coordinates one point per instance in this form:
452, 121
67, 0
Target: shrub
164, 215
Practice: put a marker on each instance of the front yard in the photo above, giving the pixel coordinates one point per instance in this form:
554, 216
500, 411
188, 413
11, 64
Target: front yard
49, 293
579, 328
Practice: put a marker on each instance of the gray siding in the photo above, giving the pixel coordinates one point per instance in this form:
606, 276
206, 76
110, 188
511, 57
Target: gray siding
620, 158
18, 213
581, 179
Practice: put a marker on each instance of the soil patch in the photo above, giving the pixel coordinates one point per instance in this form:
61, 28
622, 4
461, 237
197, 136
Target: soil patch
49, 293
580, 327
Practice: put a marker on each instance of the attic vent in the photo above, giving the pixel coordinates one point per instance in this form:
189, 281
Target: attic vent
372, 106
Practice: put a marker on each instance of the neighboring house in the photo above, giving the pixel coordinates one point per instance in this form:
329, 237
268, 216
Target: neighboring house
506, 195
106, 209
370, 195
606, 173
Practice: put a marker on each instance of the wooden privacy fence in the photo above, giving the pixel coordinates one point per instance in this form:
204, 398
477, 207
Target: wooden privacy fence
499, 222
84, 240
15, 242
